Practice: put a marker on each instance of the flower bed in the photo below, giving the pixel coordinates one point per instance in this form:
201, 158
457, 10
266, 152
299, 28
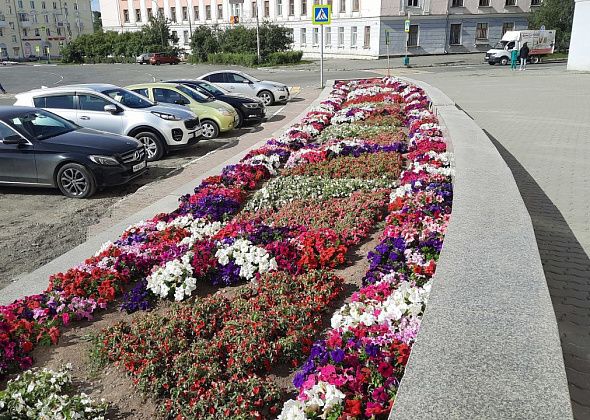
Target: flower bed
287, 210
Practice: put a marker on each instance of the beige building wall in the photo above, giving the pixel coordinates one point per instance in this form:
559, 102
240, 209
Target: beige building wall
31, 28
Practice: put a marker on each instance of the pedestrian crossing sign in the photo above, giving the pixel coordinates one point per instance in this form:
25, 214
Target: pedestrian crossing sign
322, 14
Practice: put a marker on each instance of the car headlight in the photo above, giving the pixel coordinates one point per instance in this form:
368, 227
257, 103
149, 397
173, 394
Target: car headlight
104, 160
225, 111
168, 117
281, 88
251, 105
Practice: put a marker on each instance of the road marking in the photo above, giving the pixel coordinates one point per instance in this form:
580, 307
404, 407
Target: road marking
58, 75
280, 109
152, 76
192, 161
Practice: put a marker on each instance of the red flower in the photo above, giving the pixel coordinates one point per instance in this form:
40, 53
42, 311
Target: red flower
353, 408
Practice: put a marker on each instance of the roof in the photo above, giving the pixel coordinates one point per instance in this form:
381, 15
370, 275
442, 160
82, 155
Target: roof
152, 85
7, 111
95, 87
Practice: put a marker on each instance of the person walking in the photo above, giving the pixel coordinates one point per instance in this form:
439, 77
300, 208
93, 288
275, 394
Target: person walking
513, 58
524, 56
2, 88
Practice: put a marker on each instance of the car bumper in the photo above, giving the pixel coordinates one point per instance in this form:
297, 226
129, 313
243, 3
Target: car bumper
109, 176
282, 96
492, 59
180, 134
227, 123
193, 140
253, 114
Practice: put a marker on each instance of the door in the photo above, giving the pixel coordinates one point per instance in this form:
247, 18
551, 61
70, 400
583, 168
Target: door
63, 105
17, 161
239, 84
91, 114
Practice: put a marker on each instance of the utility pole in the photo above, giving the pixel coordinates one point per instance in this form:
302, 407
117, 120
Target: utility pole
257, 33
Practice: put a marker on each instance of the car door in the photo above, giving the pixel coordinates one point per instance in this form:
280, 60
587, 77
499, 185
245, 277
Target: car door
91, 114
240, 84
63, 104
17, 161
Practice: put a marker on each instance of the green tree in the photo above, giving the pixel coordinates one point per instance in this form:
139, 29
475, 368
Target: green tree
96, 21
156, 35
205, 40
558, 15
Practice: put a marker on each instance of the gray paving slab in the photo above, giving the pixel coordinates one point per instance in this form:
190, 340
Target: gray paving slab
36, 281
538, 121
489, 345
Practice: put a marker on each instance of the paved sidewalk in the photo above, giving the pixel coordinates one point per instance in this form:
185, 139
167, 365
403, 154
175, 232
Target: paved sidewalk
538, 121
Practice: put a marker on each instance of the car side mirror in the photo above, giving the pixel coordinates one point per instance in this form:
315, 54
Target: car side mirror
111, 108
14, 139
248, 82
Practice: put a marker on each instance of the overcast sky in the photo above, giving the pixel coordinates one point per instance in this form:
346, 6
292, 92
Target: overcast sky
95, 5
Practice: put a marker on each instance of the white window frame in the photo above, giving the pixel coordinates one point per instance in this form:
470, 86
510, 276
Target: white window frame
341, 37
316, 36
328, 36
413, 3
354, 36
303, 36
366, 45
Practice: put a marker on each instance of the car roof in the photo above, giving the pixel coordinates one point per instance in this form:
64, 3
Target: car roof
84, 87
7, 111
225, 71
153, 85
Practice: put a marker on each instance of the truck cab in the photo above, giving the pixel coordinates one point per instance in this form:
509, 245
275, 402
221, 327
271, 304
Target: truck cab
500, 54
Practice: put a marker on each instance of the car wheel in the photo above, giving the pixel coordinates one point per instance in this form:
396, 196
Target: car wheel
504, 61
153, 145
535, 59
240, 121
75, 181
210, 129
157, 63
266, 97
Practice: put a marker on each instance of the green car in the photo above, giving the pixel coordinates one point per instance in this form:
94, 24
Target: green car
216, 116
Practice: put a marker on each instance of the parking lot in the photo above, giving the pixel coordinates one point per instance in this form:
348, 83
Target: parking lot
38, 224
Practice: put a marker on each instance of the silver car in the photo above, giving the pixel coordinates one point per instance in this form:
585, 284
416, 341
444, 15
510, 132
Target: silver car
117, 110
240, 82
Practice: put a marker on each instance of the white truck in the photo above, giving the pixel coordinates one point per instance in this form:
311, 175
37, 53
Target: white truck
540, 43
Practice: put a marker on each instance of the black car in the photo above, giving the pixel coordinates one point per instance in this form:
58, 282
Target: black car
41, 149
249, 109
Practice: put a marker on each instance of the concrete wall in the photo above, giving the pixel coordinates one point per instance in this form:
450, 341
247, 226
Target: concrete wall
488, 347
579, 53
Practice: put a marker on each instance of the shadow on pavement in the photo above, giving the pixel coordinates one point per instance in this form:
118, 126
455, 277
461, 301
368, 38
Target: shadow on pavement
567, 270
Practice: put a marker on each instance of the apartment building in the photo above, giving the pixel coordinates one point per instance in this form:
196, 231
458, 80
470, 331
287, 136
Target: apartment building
34, 28
359, 27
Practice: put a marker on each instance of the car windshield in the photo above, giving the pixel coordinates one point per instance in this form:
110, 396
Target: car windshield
211, 88
197, 96
41, 125
128, 98
500, 45
247, 76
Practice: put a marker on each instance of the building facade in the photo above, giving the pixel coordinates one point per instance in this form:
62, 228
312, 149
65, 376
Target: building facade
35, 28
359, 29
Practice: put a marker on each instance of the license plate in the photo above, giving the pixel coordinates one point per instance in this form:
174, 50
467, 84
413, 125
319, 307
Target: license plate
139, 166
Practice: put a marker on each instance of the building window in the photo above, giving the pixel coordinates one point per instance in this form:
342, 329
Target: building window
481, 32
279, 7
173, 14
184, 13
304, 7
185, 37
59, 31
2, 32
11, 24
291, 7
266, 8
355, 5
413, 36
125, 15
254, 9
208, 12
36, 32
20, 4
341, 36
455, 38
342, 6
138, 15
353, 36
32, 5
457, 3
149, 13
510, 2
75, 6
535, 2
328, 36
220, 11
43, 5
46, 18
367, 41
54, 6
25, 32
303, 36
13, 38
507, 26
160, 12
48, 32
412, 3
196, 11
484, 3
316, 36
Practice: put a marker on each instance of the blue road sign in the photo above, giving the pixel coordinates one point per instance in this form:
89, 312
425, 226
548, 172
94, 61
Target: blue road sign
322, 14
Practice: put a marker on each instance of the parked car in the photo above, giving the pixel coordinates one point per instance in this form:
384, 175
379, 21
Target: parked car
215, 116
540, 43
239, 82
117, 110
42, 149
164, 58
144, 58
249, 109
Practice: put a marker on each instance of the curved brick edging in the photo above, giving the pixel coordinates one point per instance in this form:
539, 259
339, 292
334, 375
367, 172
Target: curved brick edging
488, 347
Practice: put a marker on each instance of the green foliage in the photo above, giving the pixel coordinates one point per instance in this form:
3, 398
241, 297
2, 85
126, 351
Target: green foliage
237, 45
96, 21
558, 15
114, 47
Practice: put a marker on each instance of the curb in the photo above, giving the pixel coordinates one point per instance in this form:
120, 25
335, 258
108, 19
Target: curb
36, 281
488, 347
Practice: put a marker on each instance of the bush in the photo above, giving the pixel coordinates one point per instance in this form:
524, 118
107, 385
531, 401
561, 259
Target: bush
242, 59
278, 58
